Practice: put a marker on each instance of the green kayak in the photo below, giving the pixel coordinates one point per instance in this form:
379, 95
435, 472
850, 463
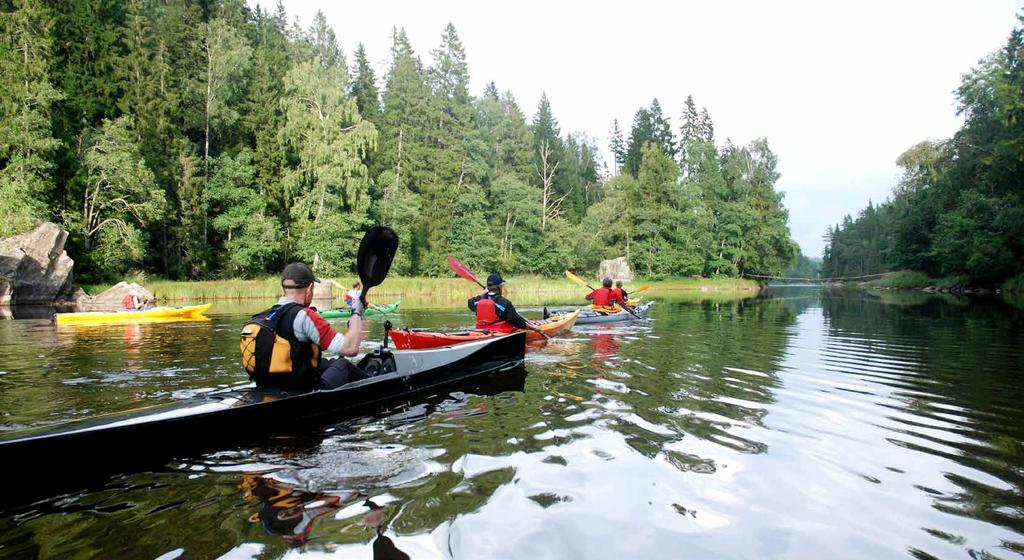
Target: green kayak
342, 312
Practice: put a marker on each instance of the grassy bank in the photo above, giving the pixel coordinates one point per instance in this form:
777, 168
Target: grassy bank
428, 292
910, 280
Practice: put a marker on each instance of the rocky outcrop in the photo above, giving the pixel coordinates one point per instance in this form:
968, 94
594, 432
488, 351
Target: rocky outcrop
34, 268
323, 291
110, 299
616, 269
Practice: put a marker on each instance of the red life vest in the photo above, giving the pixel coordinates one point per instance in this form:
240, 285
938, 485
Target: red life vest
128, 302
617, 295
487, 317
602, 296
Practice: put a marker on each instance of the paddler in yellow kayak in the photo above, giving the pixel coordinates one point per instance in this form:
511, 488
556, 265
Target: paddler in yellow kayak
495, 313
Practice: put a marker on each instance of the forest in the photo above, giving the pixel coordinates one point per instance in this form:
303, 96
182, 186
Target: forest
958, 209
213, 139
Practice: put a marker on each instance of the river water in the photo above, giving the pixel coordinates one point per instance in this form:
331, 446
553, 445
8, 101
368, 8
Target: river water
797, 424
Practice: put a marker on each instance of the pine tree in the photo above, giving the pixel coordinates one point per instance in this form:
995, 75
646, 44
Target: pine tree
364, 87
26, 98
617, 146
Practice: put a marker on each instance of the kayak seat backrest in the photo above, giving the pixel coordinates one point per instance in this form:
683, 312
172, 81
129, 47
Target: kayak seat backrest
378, 363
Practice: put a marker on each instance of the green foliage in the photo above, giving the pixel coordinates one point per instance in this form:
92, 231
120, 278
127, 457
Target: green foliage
328, 138
121, 197
196, 140
804, 267
649, 126
1015, 284
958, 209
251, 238
26, 98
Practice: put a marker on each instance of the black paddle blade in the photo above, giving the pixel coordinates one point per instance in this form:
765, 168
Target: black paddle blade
376, 251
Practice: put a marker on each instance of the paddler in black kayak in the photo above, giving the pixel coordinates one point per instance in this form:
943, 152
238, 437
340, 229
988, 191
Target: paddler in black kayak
495, 313
282, 346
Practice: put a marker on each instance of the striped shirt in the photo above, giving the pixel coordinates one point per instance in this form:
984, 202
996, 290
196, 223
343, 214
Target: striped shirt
309, 326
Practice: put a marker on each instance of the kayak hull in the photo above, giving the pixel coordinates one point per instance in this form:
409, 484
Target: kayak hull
108, 444
156, 314
342, 313
590, 317
410, 339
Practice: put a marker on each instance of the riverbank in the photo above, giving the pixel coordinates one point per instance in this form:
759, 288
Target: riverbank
425, 293
912, 280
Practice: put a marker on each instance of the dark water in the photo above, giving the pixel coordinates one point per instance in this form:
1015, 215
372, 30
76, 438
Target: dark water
800, 425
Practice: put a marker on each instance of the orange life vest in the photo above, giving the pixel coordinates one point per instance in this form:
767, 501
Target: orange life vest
128, 302
487, 317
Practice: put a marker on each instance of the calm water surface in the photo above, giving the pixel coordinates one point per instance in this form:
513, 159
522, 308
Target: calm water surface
796, 425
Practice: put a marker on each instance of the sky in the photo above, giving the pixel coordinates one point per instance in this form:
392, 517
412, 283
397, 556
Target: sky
839, 89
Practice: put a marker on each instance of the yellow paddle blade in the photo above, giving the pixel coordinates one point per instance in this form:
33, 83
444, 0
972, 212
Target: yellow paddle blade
642, 288
576, 279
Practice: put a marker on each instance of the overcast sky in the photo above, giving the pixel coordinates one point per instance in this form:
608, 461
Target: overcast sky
838, 89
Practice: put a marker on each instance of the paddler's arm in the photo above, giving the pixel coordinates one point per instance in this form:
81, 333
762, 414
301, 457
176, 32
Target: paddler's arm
590, 295
472, 302
311, 327
351, 340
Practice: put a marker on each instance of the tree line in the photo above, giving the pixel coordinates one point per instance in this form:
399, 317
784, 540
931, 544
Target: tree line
958, 210
211, 139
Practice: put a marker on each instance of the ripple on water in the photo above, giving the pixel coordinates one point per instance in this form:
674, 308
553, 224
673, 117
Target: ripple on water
790, 427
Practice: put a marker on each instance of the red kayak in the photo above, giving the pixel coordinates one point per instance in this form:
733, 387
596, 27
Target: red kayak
406, 339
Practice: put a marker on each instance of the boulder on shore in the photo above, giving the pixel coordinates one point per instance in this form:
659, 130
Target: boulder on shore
34, 268
110, 299
616, 269
323, 291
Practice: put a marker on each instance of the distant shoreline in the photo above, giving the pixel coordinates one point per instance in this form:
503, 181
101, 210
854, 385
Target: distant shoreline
528, 289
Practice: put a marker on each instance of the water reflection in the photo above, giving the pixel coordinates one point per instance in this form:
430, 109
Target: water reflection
797, 424
291, 512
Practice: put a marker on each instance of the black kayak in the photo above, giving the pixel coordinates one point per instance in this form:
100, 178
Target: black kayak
113, 442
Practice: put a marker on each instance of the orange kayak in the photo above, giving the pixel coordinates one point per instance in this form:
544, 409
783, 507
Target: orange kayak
405, 339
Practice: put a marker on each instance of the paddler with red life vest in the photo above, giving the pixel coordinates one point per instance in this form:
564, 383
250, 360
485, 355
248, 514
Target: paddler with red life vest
620, 292
605, 296
298, 364
495, 313
132, 302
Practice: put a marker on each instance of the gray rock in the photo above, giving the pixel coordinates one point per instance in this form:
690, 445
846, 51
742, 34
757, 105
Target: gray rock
616, 269
34, 268
110, 299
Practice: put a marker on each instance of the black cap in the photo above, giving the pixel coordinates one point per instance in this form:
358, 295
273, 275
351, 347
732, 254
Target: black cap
297, 276
494, 280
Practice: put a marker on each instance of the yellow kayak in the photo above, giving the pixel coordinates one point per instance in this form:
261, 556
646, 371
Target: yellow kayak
187, 313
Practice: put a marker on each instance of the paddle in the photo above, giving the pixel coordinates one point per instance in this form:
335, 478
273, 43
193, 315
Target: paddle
581, 282
373, 261
642, 288
463, 271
